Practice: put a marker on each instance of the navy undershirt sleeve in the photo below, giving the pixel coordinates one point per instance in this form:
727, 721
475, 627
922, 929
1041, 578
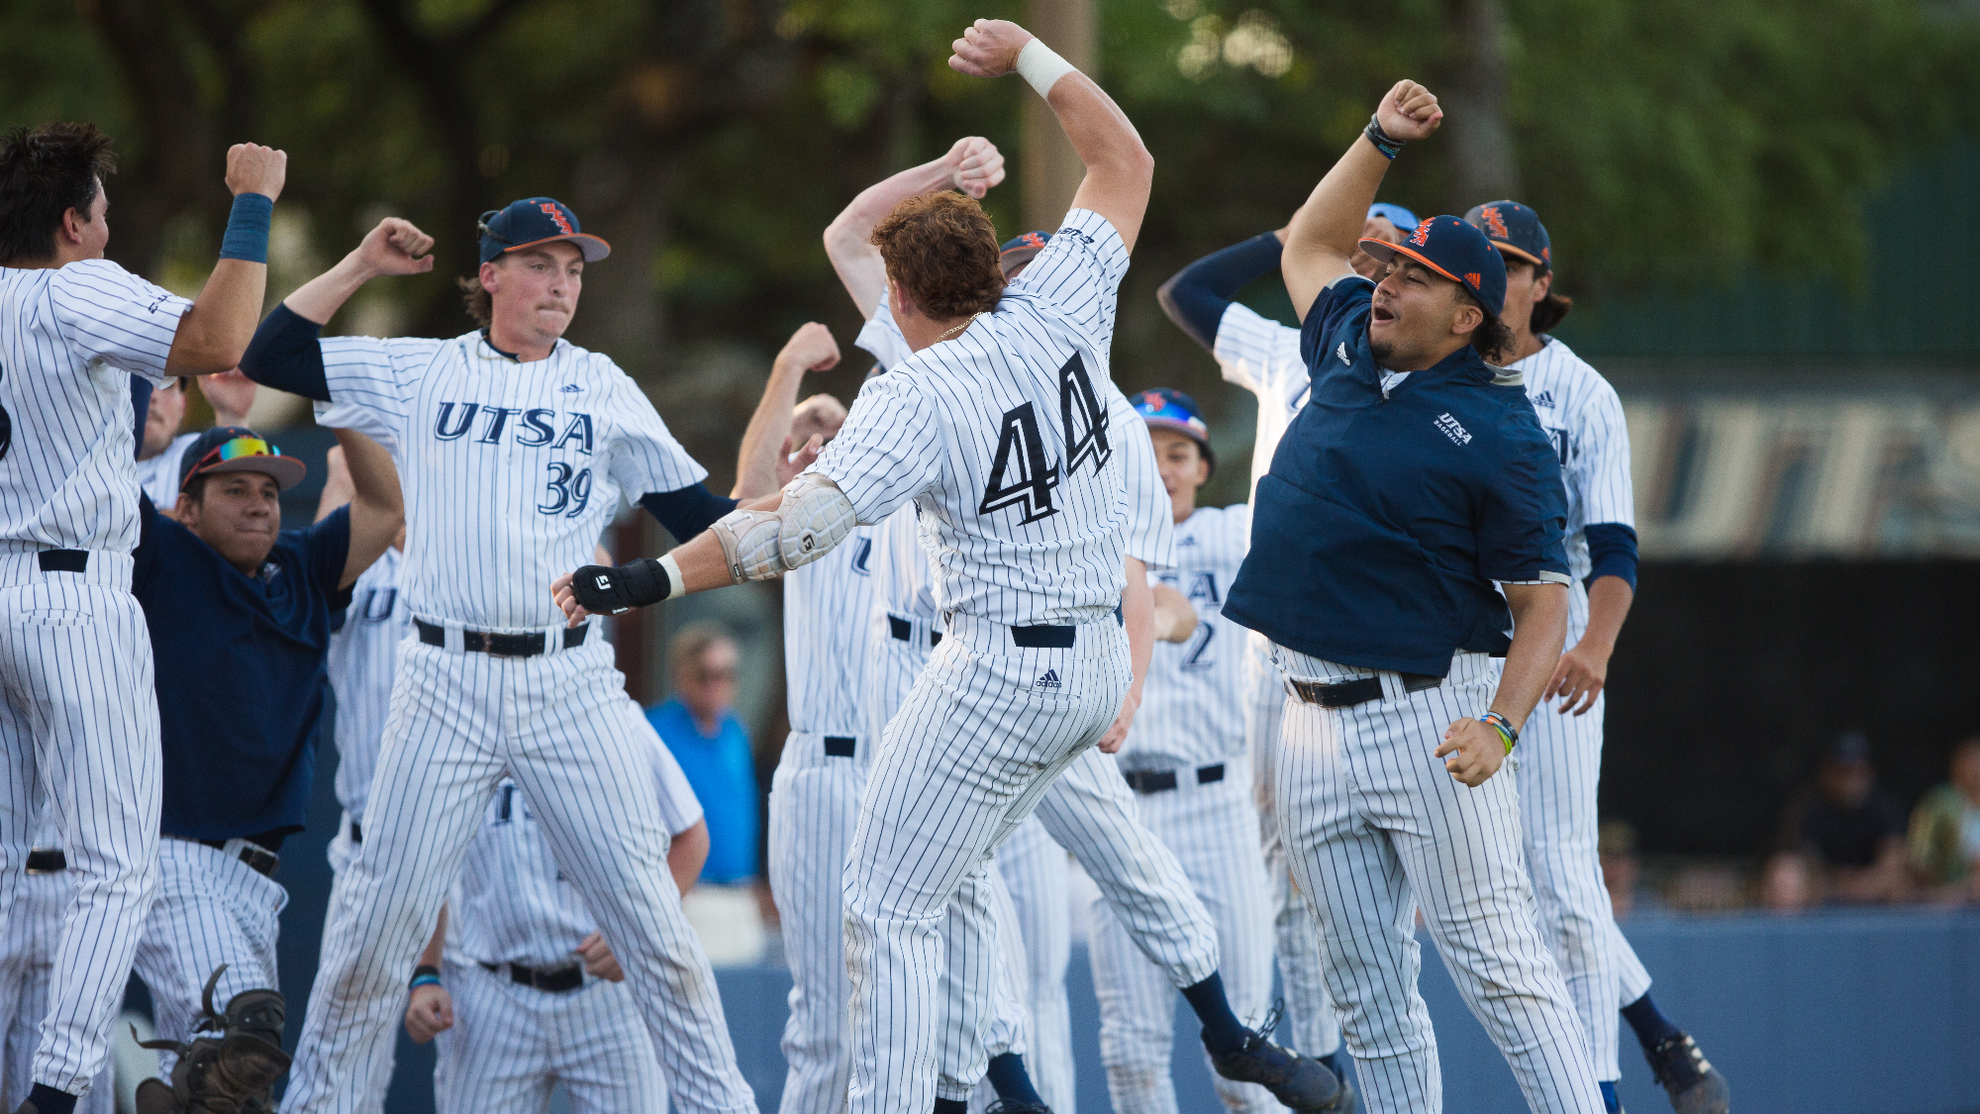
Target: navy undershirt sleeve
140, 407
1612, 551
1196, 297
285, 355
687, 512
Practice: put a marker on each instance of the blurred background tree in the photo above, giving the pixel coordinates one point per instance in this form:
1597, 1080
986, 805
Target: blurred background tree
1667, 142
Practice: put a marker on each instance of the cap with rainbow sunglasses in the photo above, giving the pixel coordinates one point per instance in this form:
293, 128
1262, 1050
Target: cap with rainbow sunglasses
238, 449
1168, 408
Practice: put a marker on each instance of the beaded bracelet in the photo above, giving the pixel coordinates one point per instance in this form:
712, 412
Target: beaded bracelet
1503, 726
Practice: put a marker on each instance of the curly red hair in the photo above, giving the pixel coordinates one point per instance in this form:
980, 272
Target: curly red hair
942, 249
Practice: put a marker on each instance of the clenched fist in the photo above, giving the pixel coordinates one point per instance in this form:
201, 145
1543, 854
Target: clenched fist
975, 166
1409, 112
252, 168
395, 247
989, 48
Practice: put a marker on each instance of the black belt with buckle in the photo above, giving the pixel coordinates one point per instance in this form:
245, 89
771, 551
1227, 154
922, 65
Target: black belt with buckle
840, 746
1346, 694
496, 643
47, 860
1161, 781
63, 560
258, 859
903, 631
556, 980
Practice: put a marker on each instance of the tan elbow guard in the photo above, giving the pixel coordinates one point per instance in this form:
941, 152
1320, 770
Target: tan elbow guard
813, 517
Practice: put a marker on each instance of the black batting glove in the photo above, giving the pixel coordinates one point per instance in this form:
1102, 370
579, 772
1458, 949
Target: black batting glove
612, 591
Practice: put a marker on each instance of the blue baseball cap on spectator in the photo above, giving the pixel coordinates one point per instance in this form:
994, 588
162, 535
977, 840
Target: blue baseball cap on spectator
1403, 219
1515, 230
1454, 249
1019, 250
533, 221
1168, 408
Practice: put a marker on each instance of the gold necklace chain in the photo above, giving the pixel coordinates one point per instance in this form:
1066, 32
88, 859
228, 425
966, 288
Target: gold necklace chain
960, 328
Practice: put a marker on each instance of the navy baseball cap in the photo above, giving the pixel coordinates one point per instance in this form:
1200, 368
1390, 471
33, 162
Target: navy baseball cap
1454, 249
1515, 230
1019, 250
1168, 408
533, 221
1403, 219
238, 449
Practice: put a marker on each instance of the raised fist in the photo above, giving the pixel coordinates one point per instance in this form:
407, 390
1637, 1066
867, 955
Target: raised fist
252, 168
811, 348
395, 247
1409, 112
975, 166
989, 48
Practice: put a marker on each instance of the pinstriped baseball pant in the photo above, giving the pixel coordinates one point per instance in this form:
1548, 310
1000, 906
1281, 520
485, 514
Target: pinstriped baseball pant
1035, 870
341, 851
1213, 831
80, 727
1374, 826
814, 805
977, 742
562, 726
1301, 947
31, 908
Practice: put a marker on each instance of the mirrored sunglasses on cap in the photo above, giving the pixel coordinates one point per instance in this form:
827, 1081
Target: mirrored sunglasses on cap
245, 448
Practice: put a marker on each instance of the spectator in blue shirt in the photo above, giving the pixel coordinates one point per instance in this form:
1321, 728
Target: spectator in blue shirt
698, 723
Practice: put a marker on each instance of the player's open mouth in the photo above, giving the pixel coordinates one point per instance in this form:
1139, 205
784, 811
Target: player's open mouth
1381, 313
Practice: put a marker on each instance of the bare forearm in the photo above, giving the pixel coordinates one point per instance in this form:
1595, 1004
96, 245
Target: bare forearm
855, 259
320, 298
686, 855
437, 945
756, 460
1539, 627
1324, 231
1609, 599
1138, 617
215, 332
1119, 169
378, 509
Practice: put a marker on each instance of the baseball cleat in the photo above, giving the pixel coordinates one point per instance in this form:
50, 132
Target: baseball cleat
1297, 1081
1012, 1106
1695, 1086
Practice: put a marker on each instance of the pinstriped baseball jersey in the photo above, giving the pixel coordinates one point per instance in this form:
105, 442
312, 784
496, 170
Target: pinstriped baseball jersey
511, 904
70, 338
364, 655
1192, 707
1005, 439
158, 477
511, 470
827, 640
1583, 417
1262, 356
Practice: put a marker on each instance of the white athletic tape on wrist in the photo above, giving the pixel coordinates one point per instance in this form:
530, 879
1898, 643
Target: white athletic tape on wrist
675, 585
1041, 66
813, 517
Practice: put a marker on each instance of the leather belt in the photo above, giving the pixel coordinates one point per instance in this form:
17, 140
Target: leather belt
1052, 636
357, 832
258, 859
840, 746
63, 560
496, 643
47, 860
1346, 694
1161, 781
557, 980
903, 631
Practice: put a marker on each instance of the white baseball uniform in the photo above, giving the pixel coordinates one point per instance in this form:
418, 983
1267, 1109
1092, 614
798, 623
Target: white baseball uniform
1089, 809
1563, 752
1001, 438
1262, 356
75, 654
1186, 757
512, 914
30, 929
364, 655
158, 476
511, 471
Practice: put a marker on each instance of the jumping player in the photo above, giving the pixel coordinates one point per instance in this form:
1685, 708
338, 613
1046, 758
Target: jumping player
516, 449
1415, 479
1557, 783
80, 717
1262, 356
995, 427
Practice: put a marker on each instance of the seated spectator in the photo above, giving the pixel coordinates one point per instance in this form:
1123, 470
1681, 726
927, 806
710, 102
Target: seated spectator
1945, 830
1622, 871
1848, 829
699, 725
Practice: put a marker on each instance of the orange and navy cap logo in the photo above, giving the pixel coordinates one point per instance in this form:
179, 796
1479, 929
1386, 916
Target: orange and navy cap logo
556, 213
1421, 236
1473, 278
1495, 223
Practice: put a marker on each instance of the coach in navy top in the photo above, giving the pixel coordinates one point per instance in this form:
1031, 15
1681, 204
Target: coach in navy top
240, 618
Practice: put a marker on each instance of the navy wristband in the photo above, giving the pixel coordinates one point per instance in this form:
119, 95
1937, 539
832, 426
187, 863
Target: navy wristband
247, 228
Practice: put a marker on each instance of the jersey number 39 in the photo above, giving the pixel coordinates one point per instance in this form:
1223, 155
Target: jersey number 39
568, 492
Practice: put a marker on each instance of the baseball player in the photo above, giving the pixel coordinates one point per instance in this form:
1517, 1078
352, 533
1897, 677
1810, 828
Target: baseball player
516, 449
33, 926
160, 443
1415, 480
525, 992
80, 719
1186, 762
240, 620
996, 429
1558, 780
1262, 356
